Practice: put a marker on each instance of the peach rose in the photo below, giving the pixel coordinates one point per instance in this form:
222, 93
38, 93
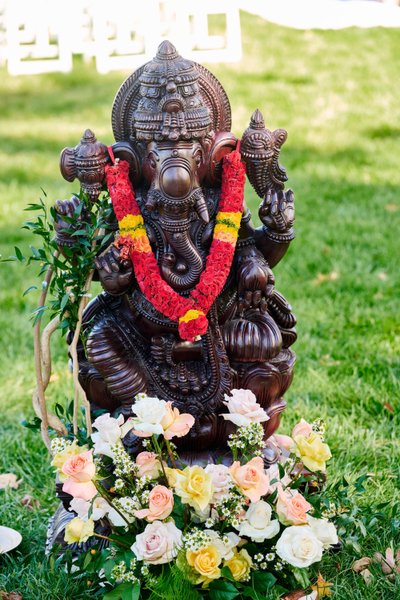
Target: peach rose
302, 428
292, 507
251, 478
80, 471
174, 423
148, 465
161, 503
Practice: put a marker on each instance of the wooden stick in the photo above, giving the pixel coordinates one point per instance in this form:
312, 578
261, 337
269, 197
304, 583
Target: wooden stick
73, 349
38, 360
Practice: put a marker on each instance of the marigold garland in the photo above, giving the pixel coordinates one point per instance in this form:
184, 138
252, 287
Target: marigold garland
190, 313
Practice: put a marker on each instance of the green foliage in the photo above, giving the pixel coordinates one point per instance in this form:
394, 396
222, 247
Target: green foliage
88, 230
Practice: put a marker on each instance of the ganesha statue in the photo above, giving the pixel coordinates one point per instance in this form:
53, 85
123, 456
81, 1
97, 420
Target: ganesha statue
190, 310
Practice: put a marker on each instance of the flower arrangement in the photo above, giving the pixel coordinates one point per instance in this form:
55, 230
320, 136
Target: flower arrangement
219, 531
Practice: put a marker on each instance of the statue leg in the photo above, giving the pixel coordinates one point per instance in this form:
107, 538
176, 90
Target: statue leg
110, 357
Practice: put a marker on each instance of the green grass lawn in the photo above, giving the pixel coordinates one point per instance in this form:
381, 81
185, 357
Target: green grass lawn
337, 95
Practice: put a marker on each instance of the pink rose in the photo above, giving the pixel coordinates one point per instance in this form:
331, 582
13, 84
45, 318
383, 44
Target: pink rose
292, 507
244, 408
149, 465
302, 428
161, 503
221, 478
80, 470
158, 544
285, 442
174, 423
251, 478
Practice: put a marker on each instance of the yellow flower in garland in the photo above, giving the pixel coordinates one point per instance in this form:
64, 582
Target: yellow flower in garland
240, 565
78, 531
205, 562
194, 486
312, 451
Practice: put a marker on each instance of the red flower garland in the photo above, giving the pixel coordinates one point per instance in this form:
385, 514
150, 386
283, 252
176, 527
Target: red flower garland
190, 312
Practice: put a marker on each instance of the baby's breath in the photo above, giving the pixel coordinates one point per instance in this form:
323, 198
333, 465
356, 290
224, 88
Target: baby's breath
248, 439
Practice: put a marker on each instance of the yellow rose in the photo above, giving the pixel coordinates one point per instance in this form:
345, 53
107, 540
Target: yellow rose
312, 451
206, 562
194, 486
171, 475
78, 531
240, 565
60, 458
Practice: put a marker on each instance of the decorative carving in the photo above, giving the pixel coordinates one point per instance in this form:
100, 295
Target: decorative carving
85, 162
171, 119
260, 150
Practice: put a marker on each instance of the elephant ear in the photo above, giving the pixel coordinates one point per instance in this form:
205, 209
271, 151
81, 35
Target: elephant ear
223, 143
130, 153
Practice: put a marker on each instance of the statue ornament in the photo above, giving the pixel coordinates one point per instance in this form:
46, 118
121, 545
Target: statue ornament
189, 309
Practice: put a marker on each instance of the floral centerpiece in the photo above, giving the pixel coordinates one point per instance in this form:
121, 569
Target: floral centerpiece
154, 527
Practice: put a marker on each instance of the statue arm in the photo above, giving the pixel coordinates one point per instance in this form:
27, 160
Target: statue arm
273, 237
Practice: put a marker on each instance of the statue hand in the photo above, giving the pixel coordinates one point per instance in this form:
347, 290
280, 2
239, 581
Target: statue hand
64, 228
255, 283
277, 210
115, 275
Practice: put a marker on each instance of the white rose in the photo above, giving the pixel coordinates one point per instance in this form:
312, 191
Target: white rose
99, 505
108, 434
257, 523
225, 544
220, 479
299, 546
158, 544
244, 408
149, 414
324, 531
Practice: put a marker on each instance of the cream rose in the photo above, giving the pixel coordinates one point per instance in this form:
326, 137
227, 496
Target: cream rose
251, 478
258, 524
292, 507
149, 414
161, 503
158, 544
299, 546
148, 465
99, 507
107, 435
244, 408
220, 478
324, 531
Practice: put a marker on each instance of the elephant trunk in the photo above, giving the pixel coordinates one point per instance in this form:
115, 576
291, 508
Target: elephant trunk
187, 274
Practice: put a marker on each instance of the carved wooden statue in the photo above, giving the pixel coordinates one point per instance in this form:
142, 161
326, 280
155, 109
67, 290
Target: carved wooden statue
171, 121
